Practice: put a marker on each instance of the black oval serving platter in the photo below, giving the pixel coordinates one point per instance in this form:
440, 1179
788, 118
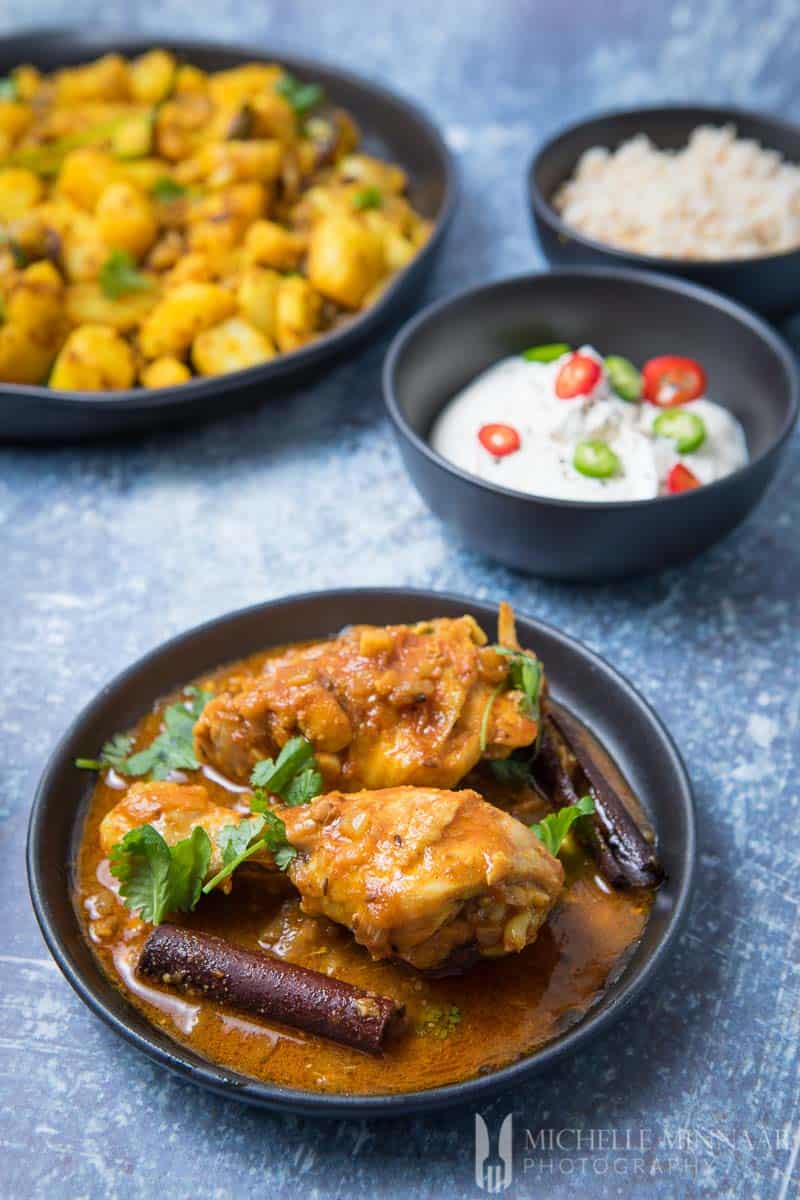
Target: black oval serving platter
591, 689
635, 313
391, 126
769, 284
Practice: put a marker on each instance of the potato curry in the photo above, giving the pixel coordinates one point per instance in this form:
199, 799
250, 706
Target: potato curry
159, 222
377, 863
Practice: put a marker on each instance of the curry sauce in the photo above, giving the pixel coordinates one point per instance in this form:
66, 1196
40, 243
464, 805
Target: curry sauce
458, 1027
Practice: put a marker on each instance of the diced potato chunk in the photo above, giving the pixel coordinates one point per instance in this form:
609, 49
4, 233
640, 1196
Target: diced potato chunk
34, 324
164, 372
273, 117
23, 357
219, 221
126, 219
14, 119
87, 304
345, 260
371, 172
296, 313
223, 163
196, 267
257, 297
270, 245
20, 190
83, 251
235, 85
184, 312
230, 346
144, 172
104, 79
35, 299
133, 138
84, 176
190, 80
94, 358
28, 80
152, 76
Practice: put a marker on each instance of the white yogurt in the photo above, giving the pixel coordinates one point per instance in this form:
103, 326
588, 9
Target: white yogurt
522, 394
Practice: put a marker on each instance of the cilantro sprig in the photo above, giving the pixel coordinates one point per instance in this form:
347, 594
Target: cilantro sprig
119, 275
293, 776
158, 879
301, 96
295, 779
172, 750
114, 754
165, 188
263, 831
553, 828
368, 197
525, 676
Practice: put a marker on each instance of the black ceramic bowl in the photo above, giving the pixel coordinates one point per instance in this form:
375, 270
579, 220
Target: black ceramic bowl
392, 128
639, 315
770, 284
579, 679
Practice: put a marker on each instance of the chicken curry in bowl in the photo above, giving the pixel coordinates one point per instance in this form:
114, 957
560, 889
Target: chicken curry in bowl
377, 863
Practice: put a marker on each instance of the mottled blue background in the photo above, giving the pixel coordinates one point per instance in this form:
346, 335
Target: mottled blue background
105, 551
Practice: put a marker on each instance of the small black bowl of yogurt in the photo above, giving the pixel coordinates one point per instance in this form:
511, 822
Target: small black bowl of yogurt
590, 424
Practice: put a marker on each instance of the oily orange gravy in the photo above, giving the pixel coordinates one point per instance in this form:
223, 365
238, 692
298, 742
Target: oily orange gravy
458, 1027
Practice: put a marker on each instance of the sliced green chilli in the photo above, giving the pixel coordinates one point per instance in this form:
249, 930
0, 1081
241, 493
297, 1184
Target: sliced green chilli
626, 381
547, 353
685, 429
596, 459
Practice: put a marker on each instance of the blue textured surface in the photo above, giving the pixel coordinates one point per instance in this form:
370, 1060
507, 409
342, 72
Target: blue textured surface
107, 551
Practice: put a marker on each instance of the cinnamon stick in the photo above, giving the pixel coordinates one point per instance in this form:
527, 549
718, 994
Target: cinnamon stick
269, 987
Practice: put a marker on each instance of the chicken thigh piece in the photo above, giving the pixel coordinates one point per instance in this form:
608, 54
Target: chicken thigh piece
435, 878
382, 706
173, 809
432, 877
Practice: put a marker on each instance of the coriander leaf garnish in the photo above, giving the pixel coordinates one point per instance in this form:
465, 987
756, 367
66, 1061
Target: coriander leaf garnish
114, 754
119, 275
301, 96
236, 844
293, 776
525, 675
157, 878
233, 840
303, 788
553, 828
167, 189
8, 88
190, 859
368, 197
171, 750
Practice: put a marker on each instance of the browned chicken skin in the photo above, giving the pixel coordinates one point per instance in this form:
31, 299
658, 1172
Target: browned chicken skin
422, 874
432, 877
382, 706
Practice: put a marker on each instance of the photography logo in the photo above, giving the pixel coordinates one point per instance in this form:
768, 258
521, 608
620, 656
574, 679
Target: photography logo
493, 1174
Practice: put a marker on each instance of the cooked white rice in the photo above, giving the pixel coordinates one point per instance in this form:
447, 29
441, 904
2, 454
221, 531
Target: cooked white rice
720, 197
